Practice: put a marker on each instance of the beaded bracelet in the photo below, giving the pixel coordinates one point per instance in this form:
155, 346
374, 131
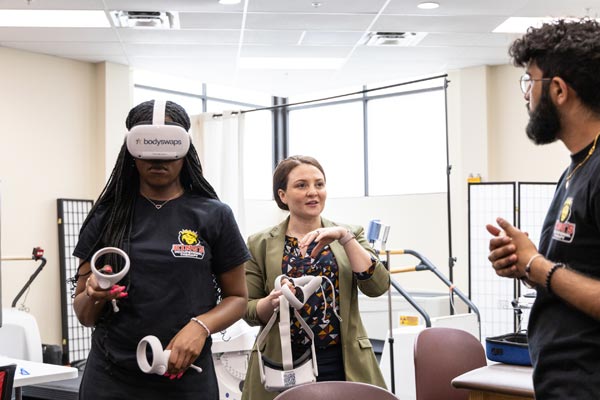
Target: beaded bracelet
550, 273
202, 324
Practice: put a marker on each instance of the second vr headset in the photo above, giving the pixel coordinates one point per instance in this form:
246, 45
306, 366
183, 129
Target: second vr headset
275, 376
159, 141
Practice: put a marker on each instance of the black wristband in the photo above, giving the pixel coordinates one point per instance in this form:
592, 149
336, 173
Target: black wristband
550, 273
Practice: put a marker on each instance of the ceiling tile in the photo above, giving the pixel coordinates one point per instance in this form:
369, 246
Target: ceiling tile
456, 7
560, 8
198, 20
261, 36
197, 36
389, 23
315, 38
326, 6
458, 35
66, 49
52, 5
211, 6
317, 22
58, 34
296, 51
182, 51
468, 39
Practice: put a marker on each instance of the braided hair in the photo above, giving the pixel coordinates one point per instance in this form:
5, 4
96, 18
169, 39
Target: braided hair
120, 193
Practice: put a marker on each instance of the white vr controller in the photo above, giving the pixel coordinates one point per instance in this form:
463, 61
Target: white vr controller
107, 280
160, 357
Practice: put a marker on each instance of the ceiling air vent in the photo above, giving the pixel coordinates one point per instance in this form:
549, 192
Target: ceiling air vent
145, 19
394, 38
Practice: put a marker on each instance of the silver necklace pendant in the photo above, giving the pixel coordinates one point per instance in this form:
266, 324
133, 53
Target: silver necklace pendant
159, 206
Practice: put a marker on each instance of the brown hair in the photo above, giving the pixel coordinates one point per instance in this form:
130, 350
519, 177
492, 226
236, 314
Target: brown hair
282, 171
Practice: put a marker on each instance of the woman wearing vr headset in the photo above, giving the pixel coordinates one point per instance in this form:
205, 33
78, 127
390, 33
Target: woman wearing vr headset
186, 254
303, 244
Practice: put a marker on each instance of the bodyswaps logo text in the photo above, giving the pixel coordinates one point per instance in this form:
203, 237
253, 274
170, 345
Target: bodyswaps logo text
159, 142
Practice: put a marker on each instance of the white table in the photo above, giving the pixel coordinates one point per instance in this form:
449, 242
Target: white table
497, 382
32, 373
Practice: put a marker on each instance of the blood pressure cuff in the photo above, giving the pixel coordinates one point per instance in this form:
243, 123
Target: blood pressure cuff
159, 140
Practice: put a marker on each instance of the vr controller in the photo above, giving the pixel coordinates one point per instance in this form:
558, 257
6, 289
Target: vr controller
107, 280
160, 357
159, 141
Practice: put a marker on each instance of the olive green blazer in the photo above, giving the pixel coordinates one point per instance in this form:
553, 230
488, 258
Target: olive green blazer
360, 364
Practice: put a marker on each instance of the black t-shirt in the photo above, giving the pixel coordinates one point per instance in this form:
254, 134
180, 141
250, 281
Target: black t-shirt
564, 342
174, 253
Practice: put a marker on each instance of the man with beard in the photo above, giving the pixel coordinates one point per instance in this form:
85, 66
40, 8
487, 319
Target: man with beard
562, 87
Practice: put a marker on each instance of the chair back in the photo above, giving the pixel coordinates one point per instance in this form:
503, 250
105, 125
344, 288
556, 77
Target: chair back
7, 376
336, 390
442, 354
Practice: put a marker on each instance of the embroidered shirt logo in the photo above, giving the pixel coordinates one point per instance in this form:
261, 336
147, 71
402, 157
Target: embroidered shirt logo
564, 231
189, 246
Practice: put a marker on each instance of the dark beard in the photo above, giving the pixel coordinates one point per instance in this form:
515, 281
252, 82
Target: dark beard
544, 121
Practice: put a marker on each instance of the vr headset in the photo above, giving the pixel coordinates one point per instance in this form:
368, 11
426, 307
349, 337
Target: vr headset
275, 376
159, 141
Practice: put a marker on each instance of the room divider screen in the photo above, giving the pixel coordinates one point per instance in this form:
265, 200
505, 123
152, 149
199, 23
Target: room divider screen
524, 204
75, 337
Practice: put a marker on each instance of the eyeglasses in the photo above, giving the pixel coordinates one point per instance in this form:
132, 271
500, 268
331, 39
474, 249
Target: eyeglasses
526, 81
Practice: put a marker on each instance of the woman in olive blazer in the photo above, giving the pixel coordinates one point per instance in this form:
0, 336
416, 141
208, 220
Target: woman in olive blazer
305, 202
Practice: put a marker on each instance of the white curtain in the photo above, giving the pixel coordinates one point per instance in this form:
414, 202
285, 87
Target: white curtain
218, 138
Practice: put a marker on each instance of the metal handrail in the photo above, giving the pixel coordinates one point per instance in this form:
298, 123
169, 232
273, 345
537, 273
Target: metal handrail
426, 265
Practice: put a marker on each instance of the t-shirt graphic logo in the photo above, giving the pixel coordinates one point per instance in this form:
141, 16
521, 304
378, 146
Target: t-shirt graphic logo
564, 231
188, 245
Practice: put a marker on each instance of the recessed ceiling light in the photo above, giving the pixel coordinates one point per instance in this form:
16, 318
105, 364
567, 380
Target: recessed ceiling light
54, 18
428, 5
229, 2
521, 24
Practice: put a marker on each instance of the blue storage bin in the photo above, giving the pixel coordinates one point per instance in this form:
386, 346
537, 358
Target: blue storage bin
511, 348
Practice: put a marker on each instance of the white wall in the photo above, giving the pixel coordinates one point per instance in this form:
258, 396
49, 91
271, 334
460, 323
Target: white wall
63, 125
512, 156
53, 145
48, 137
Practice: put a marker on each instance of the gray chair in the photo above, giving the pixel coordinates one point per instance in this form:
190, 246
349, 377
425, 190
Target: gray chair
336, 390
442, 354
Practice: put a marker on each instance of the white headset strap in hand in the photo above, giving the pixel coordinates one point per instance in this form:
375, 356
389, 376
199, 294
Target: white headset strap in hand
307, 284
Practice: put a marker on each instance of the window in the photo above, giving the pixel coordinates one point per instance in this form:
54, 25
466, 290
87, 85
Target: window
405, 135
258, 142
333, 134
407, 144
258, 159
